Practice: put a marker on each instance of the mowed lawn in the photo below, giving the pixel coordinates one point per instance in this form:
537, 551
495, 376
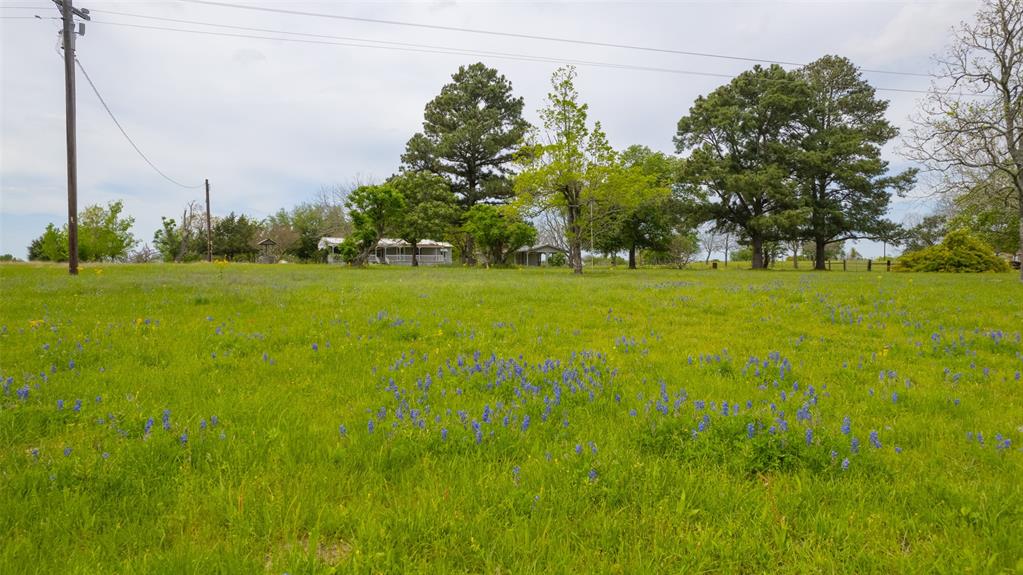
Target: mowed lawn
233, 418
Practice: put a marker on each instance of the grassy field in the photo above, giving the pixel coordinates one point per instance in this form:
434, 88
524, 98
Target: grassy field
306, 419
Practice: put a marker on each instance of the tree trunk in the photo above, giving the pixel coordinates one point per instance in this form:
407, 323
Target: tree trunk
1019, 192
819, 246
469, 254
758, 252
632, 256
574, 240
415, 256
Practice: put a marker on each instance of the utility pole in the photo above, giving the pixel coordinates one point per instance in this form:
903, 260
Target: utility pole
209, 228
68, 13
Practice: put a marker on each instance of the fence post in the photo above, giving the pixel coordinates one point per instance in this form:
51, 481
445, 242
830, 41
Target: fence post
829, 265
868, 265
889, 266
843, 265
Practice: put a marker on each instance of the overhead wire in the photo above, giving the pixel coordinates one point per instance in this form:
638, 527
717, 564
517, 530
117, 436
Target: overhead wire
347, 41
125, 134
519, 35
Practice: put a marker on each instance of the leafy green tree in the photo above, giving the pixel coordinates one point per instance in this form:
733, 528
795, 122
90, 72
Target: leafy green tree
573, 162
103, 234
52, 246
234, 237
842, 181
471, 133
375, 211
167, 240
430, 208
499, 231
739, 140
929, 232
298, 231
990, 209
647, 209
960, 251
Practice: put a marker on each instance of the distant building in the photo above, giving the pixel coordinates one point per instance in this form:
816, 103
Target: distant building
390, 251
536, 255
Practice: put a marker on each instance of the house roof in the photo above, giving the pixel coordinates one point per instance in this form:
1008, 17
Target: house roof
542, 248
326, 242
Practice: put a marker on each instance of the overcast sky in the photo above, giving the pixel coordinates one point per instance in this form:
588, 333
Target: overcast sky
271, 122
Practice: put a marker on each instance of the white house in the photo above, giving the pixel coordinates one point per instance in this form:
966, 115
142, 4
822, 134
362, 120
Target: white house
394, 251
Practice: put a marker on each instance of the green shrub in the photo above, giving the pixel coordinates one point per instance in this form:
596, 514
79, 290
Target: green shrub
959, 252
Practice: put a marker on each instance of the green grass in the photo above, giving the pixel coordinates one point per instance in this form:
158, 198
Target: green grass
274, 486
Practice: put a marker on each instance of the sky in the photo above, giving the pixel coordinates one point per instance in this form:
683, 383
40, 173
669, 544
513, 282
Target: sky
270, 123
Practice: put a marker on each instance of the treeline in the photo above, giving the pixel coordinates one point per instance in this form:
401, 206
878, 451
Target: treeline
776, 162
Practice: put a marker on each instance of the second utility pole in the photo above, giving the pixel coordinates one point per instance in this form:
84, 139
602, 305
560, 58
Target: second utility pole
209, 233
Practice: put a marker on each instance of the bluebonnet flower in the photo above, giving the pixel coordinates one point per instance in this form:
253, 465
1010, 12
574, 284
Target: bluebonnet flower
515, 473
67, 451
342, 430
809, 436
750, 430
316, 347
593, 447
845, 464
202, 424
214, 420
846, 425
444, 434
578, 449
895, 396
486, 413
525, 422
564, 423
980, 438
898, 449
184, 438
593, 475
106, 455
71, 364
78, 405
60, 404
875, 440
35, 452
371, 425
166, 419
854, 446
632, 412
834, 454
149, 426
23, 392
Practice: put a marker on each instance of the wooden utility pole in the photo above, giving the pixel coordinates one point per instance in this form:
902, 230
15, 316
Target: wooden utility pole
209, 227
68, 14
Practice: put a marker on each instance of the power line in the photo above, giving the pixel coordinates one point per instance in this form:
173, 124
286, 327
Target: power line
422, 48
525, 36
125, 134
432, 49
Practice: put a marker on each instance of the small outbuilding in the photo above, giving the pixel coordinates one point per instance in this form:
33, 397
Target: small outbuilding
537, 255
